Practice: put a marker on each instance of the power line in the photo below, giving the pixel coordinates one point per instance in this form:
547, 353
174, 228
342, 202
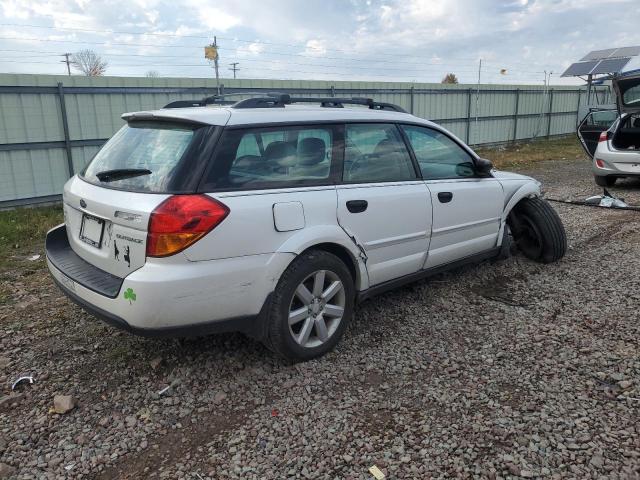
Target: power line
444, 64
416, 71
231, 39
173, 35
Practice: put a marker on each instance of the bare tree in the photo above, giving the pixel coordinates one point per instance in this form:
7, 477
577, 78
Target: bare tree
450, 78
89, 63
152, 74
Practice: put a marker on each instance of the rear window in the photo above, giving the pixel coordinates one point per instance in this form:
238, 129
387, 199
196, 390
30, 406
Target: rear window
631, 97
141, 156
273, 157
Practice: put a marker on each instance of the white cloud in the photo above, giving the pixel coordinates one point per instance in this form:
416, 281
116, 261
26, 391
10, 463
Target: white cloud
316, 48
14, 9
251, 50
433, 36
216, 19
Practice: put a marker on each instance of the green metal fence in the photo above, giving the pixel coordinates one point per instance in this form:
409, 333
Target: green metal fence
51, 126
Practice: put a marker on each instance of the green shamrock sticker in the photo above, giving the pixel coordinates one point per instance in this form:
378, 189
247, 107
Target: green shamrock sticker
129, 295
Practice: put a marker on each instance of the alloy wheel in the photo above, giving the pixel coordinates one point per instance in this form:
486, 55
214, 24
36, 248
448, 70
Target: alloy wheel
317, 308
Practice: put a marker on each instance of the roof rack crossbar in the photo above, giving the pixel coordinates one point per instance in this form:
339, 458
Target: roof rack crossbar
212, 100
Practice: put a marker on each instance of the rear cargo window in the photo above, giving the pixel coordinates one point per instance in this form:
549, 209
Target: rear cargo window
141, 156
631, 96
273, 157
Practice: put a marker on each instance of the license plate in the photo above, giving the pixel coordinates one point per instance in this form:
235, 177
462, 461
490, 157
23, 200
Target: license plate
91, 230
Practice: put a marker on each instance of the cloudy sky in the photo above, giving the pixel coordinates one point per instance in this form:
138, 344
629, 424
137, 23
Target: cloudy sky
387, 40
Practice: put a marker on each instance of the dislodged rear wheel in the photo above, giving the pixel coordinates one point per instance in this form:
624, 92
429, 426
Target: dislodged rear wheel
538, 230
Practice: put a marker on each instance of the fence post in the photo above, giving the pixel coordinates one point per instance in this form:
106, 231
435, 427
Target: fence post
578, 107
333, 91
222, 89
411, 100
65, 129
515, 115
469, 93
550, 111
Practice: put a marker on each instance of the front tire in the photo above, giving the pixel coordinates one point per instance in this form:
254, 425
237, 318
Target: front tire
605, 181
538, 230
311, 307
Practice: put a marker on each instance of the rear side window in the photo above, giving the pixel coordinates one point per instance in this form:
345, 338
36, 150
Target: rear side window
375, 153
273, 157
141, 156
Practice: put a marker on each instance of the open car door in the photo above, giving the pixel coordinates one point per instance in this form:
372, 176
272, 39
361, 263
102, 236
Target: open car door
596, 121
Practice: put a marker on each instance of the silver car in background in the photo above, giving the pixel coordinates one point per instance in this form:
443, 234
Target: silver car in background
617, 153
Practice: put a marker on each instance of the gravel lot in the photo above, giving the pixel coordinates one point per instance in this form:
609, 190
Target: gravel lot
499, 370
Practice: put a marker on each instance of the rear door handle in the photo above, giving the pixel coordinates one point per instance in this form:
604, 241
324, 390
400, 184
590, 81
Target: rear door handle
357, 206
445, 197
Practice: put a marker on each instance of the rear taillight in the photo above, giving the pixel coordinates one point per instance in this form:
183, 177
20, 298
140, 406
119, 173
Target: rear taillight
180, 221
604, 136
599, 163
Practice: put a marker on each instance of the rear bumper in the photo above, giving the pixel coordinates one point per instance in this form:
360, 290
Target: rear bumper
251, 325
172, 296
616, 162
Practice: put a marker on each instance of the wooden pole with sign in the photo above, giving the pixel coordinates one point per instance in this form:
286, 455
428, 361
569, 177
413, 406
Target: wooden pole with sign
211, 53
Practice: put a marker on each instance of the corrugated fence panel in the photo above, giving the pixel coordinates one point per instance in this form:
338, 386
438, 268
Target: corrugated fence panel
31, 112
32, 173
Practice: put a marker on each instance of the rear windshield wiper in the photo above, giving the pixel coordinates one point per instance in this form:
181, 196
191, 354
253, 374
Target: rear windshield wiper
121, 173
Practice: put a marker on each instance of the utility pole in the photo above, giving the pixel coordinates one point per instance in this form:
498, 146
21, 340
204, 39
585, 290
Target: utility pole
215, 62
234, 68
67, 61
478, 93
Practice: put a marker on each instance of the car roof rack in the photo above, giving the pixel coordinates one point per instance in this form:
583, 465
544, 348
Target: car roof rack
279, 100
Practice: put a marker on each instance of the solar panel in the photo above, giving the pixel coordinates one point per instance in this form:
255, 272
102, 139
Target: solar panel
598, 54
611, 65
612, 53
628, 52
580, 68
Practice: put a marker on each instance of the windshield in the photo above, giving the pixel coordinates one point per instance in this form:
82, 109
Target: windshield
141, 156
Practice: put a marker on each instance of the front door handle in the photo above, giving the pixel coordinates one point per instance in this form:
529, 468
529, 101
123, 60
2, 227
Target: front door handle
445, 197
357, 206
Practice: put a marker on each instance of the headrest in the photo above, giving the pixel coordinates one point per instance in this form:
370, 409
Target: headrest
282, 153
636, 122
384, 147
311, 151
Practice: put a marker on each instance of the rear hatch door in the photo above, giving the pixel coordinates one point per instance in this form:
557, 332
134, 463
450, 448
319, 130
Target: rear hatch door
108, 228
108, 205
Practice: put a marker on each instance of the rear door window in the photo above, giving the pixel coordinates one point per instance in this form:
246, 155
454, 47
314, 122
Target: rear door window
272, 157
438, 155
142, 156
375, 153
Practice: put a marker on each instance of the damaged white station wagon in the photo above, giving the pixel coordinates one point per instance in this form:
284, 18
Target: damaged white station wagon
274, 217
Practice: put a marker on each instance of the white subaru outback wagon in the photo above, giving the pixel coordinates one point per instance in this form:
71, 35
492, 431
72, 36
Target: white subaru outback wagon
274, 217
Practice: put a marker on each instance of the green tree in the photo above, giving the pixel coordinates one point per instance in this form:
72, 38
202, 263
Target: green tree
450, 78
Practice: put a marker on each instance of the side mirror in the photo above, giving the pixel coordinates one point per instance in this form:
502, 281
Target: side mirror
483, 166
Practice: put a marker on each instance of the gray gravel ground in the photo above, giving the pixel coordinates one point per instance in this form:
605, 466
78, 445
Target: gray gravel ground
495, 371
